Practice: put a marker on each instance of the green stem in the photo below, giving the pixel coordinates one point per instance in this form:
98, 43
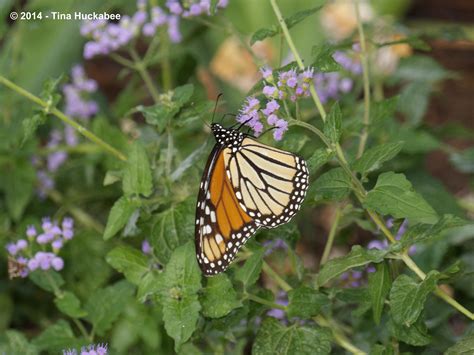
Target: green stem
123, 61
332, 235
83, 330
54, 111
300, 63
339, 336
365, 73
142, 70
165, 63
265, 302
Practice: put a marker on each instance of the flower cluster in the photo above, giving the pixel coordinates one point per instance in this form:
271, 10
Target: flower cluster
50, 241
105, 37
273, 245
93, 349
381, 245
281, 299
77, 103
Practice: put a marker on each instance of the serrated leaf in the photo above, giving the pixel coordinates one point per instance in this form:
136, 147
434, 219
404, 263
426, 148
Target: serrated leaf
407, 297
417, 141
379, 284
373, 158
137, 172
333, 124
358, 256
333, 185
422, 232
320, 157
182, 94
323, 60
219, 297
30, 125
262, 34
178, 294
414, 99
249, 273
172, 228
69, 304
55, 338
290, 21
129, 261
380, 111
17, 344
465, 346
393, 195
119, 215
305, 302
43, 279
416, 334
275, 338
105, 305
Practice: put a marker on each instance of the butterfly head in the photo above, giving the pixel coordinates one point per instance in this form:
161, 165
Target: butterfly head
227, 137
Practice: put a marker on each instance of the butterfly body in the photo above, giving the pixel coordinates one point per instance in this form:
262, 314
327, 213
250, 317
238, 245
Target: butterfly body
246, 185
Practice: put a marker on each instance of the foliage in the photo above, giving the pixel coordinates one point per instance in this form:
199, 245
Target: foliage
128, 173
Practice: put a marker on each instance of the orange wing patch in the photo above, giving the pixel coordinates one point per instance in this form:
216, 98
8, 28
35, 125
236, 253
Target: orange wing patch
221, 223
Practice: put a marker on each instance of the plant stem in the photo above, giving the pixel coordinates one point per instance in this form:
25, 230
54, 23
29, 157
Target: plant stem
265, 302
142, 70
165, 62
54, 111
339, 336
365, 73
83, 330
300, 63
332, 234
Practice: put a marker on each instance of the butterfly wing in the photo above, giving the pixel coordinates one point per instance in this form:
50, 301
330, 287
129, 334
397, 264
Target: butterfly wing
222, 226
270, 184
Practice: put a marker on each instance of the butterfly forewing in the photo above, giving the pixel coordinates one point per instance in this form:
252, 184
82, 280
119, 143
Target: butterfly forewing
222, 227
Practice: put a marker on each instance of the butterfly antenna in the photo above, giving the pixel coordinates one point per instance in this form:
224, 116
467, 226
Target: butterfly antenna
215, 107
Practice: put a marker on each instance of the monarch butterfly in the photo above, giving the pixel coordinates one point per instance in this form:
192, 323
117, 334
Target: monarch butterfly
245, 185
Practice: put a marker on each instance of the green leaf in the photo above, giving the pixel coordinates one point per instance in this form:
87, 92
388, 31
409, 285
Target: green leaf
421, 232
178, 290
172, 228
417, 141
414, 41
43, 279
358, 256
420, 68
137, 172
333, 124
219, 297
69, 304
262, 34
182, 94
305, 302
416, 334
379, 287
333, 185
322, 57
18, 178
105, 305
249, 273
300, 16
320, 157
119, 215
291, 21
463, 161
414, 99
407, 297
381, 111
30, 125
394, 195
55, 338
373, 158
465, 346
275, 338
17, 344
129, 261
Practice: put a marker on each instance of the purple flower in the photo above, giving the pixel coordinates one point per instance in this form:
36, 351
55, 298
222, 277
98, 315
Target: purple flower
68, 223
57, 244
352, 278
273, 245
272, 106
269, 91
31, 232
68, 234
158, 16
45, 183
282, 127
76, 103
377, 244
174, 7
267, 74
33, 264
57, 263
281, 299
146, 247
149, 29
12, 249
99, 349
173, 29
21, 244
46, 223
